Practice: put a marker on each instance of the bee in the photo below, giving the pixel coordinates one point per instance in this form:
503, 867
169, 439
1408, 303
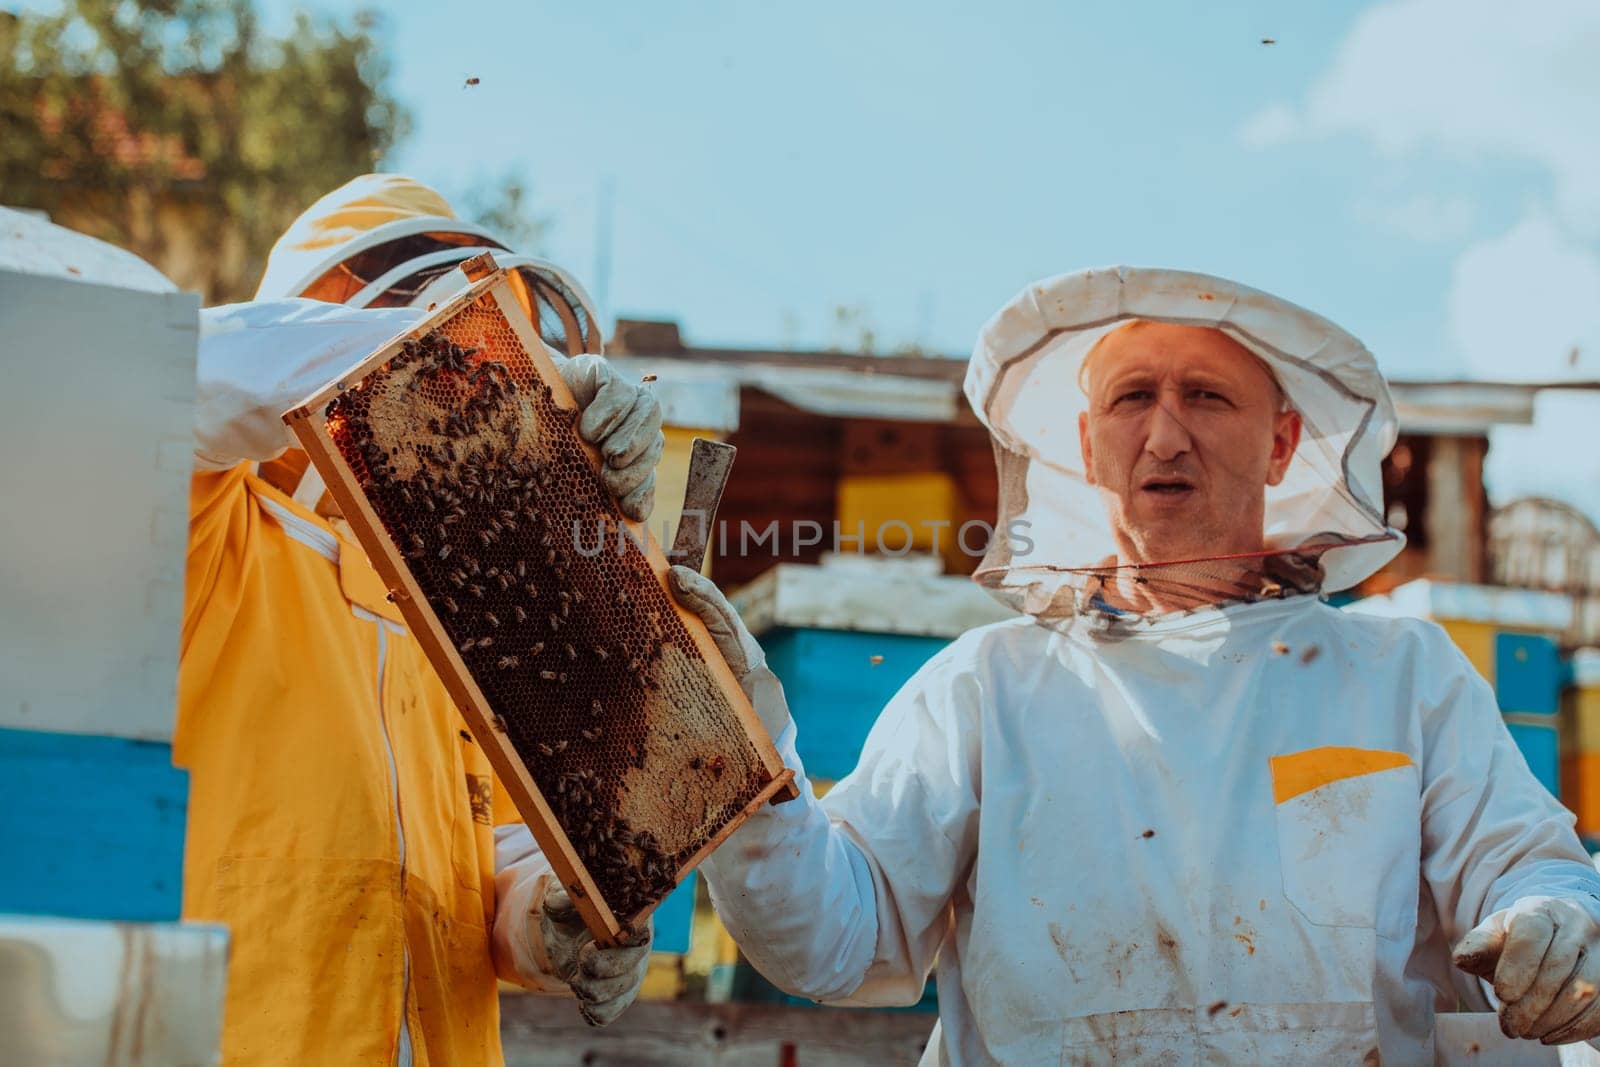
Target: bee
572, 653
492, 619
444, 552
548, 676
499, 723
591, 734
522, 616
545, 750
595, 708
485, 642
601, 654
508, 663
450, 605
469, 644
538, 647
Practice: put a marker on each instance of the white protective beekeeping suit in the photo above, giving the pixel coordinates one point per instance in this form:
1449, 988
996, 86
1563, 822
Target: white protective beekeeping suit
1244, 833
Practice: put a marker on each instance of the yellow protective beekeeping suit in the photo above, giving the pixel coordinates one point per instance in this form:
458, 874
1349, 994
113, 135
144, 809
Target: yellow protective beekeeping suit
339, 813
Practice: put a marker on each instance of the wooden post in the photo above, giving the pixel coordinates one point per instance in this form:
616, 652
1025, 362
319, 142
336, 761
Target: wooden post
1456, 514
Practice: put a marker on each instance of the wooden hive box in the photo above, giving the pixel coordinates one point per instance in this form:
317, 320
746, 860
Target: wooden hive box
605, 708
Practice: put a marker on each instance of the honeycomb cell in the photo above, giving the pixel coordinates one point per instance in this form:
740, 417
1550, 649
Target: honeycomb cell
480, 482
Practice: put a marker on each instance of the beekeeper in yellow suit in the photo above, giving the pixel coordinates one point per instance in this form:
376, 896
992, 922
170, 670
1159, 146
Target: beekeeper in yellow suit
342, 821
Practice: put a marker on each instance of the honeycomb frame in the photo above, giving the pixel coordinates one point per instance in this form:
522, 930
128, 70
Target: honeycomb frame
665, 721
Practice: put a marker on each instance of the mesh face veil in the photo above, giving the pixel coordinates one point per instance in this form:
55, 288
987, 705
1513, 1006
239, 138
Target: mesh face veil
385, 240
1171, 450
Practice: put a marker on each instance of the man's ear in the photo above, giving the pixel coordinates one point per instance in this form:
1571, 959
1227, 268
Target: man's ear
1085, 448
1285, 439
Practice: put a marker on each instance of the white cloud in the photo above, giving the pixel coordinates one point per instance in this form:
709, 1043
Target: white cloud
1274, 125
1521, 305
1557, 456
1421, 217
1471, 78
1521, 302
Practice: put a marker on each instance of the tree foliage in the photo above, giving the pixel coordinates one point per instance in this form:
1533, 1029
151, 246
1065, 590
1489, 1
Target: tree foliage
178, 130
501, 205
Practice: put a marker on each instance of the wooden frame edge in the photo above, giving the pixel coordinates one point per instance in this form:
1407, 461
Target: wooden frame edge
458, 682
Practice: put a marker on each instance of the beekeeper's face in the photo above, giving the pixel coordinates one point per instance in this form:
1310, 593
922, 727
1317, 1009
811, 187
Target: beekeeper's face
1184, 431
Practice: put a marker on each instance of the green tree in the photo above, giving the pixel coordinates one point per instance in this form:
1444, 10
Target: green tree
178, 130
501, 205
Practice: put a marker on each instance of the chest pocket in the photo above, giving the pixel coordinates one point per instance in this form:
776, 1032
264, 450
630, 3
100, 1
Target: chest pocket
1349, 836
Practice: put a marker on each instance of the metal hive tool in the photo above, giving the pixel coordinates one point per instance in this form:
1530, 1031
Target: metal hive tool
606, 710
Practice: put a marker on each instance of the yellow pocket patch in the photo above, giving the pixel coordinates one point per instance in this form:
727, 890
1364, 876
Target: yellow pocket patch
1301, 772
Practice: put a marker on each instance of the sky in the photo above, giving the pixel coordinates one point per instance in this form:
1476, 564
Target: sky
1424, 172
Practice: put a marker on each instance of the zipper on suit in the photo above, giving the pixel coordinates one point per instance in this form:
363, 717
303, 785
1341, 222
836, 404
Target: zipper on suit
403, 1054
326, 544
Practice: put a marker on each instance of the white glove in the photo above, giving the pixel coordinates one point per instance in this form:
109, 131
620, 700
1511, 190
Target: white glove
622, 420
1542, 955
749, 664
605, 979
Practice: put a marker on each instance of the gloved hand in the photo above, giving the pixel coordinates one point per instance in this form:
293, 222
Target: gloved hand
605, 979
749, 664
1543, 956
623, 420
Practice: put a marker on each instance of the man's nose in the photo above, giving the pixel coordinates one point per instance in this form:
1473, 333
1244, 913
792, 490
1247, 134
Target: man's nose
1166, 439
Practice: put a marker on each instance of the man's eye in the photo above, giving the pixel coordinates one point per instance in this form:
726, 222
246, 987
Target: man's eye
1135, 395
1207, 394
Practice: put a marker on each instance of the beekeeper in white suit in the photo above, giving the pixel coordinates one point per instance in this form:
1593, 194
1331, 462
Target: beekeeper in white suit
1181, 811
